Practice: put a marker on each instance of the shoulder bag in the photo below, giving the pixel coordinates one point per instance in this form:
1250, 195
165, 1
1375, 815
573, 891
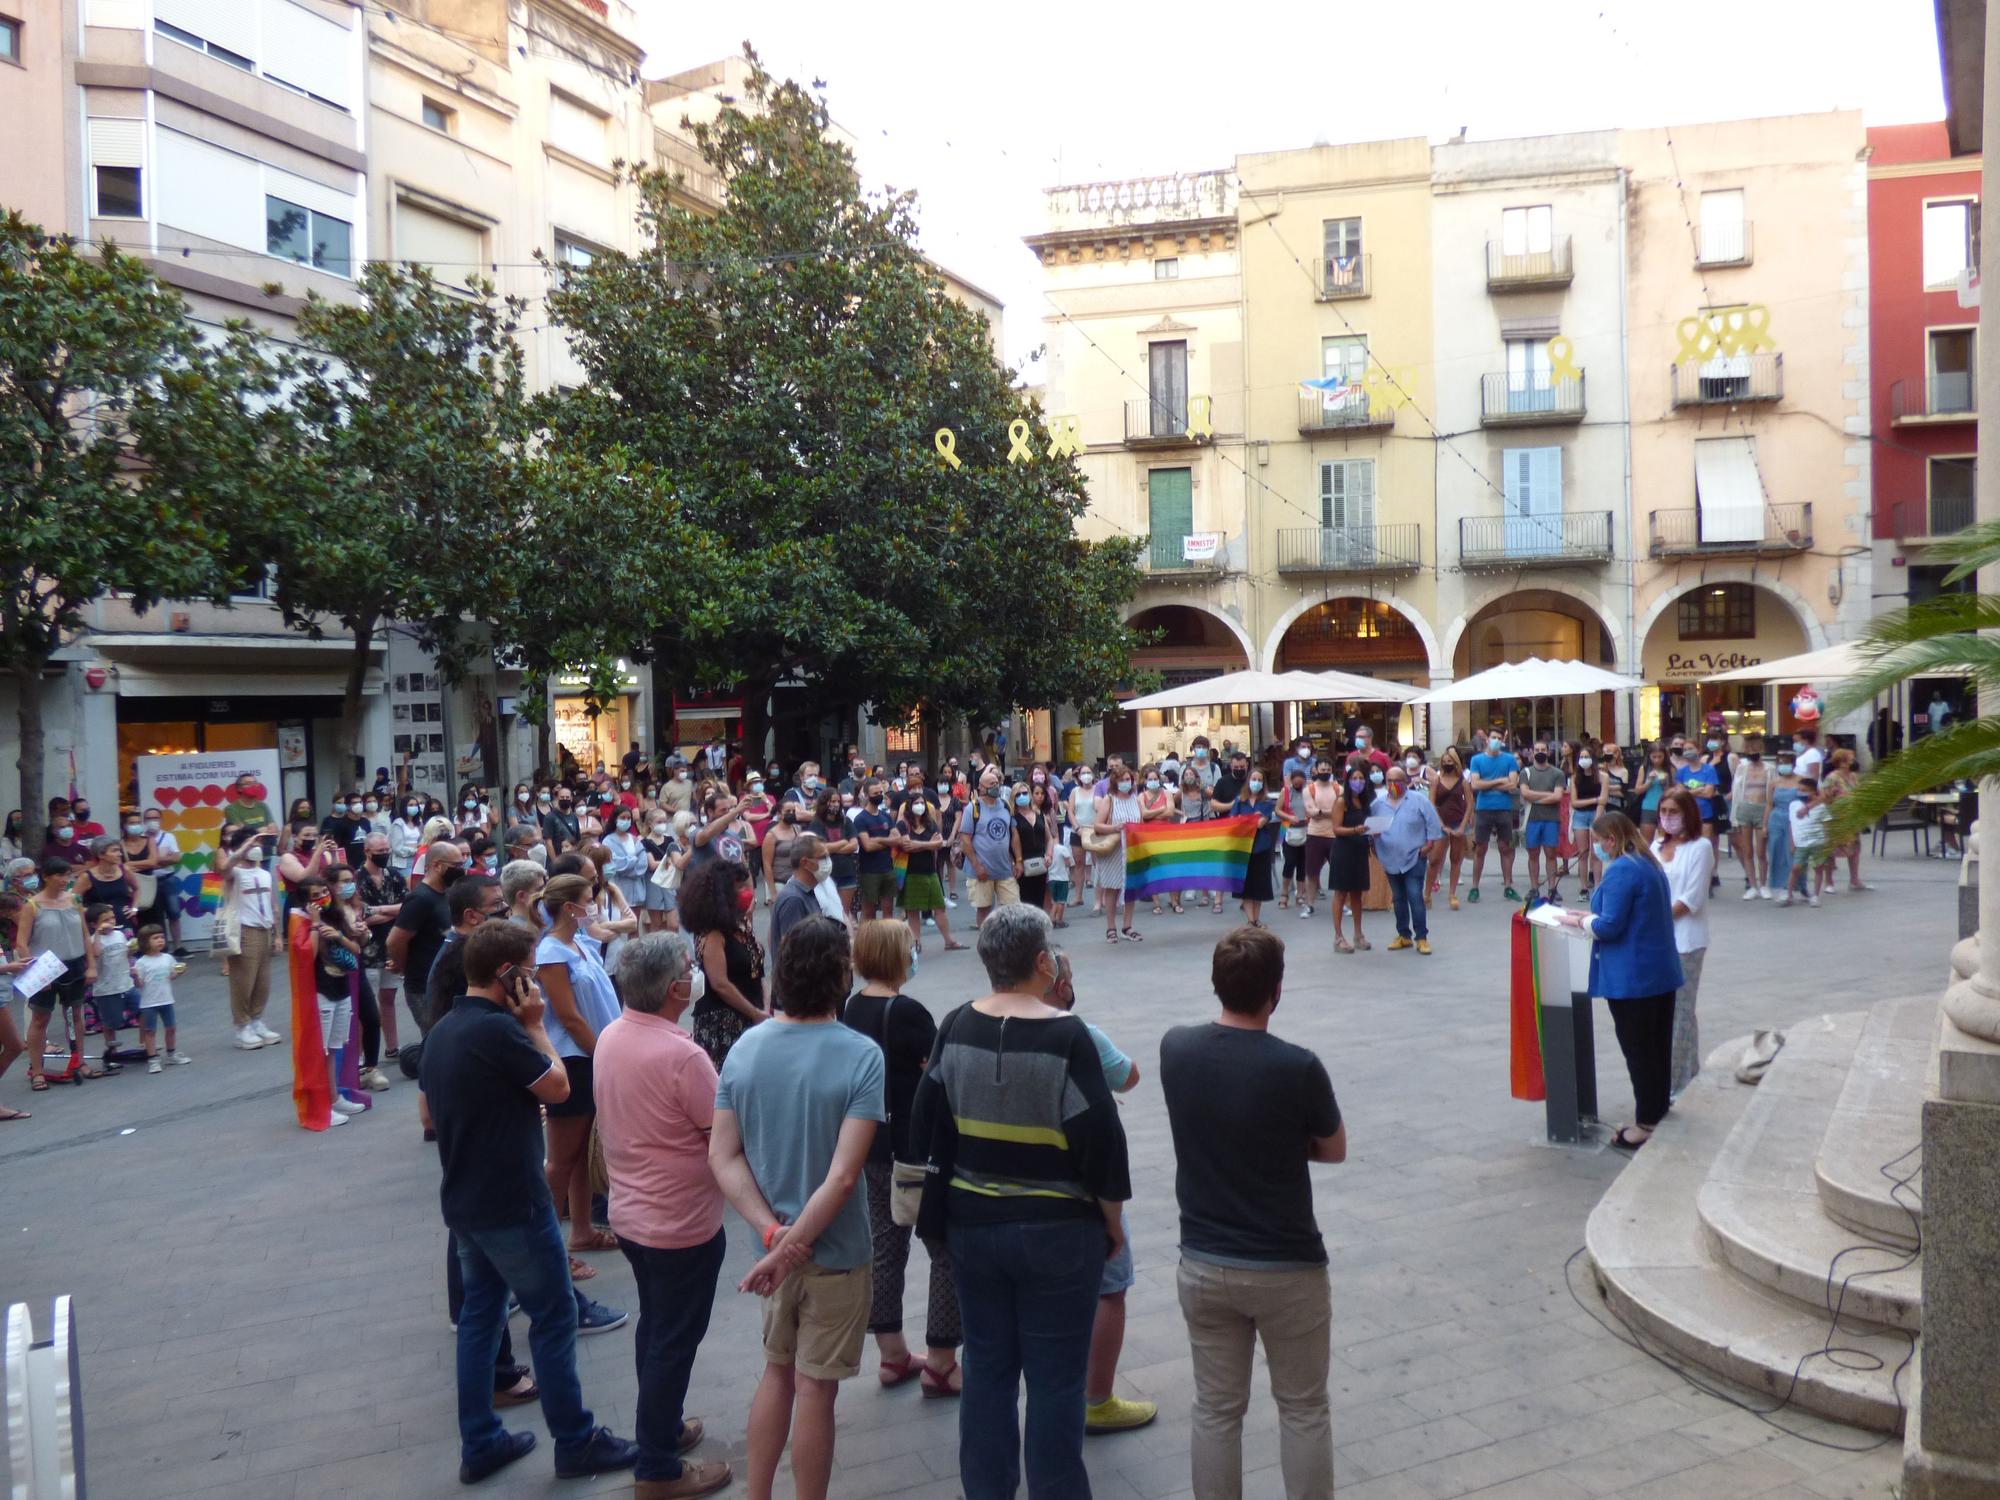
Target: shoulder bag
906, 1178
932, 1176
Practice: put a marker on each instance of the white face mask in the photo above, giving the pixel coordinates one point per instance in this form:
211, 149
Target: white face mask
1670, 823
916, 808
1411, 763
1124, 786
697, 985
1584, 762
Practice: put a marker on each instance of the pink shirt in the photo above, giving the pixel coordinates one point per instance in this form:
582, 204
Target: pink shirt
655, 1092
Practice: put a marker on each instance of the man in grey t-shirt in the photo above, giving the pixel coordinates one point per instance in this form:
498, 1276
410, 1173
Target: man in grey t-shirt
1542, 790
986, 833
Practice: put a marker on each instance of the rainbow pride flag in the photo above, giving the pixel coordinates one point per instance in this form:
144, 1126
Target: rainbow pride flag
1207, 856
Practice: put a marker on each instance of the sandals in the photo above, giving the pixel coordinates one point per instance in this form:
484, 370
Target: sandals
1626, 1138
597, 1239
960, 947
1341, 945
580, 1270
1177, 909
1110, 936
38, 1083
1134, 935
937, 1384
522, 1392
15, 1114
1157, 910
892, 1376
1363, 945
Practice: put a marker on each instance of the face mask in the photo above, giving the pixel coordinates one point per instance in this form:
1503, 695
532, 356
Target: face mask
1798, 747
992, 793
745, 898
914, 957
1356, 783
1411, 763
66, 835
321, 902
1753, 756
472, 804
1607, 853
917, 807
659, 830
1040, 779
1124, 786
1670, 823
1541, 757
756, 788
563, 806
82, 812
680, 776
346, 890
1584, 762
1201, 755
133, 830
1021, 798
31, 883
411, 810
624, 825
697, 985
1784, 768
522, 798
254, 854
1361, 742
452, 874
626, 784
1376, 777
371, 806
1322, 776
152, 825
1256, 784
1152, 783
812, 783
377, 856
1395, 790
1715, 744
340, 809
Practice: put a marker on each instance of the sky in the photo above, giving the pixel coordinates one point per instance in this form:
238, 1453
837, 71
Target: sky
981, 109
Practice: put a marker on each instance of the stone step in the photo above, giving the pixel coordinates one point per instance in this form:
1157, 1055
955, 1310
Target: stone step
1658, 1269
1759, 1206
1879, 1120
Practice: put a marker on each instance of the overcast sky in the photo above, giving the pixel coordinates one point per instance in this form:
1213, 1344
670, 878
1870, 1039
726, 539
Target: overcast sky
980, 108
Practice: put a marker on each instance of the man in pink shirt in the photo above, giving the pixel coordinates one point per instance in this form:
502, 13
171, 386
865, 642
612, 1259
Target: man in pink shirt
655, 1094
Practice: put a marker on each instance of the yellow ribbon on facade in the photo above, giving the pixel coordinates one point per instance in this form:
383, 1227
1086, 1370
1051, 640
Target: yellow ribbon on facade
1019, 449
947, 446
1066, 437
1561, 364
1200, 420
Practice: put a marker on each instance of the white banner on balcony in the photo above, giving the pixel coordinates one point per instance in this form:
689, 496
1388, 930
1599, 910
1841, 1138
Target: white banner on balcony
1728, 490
1201, 547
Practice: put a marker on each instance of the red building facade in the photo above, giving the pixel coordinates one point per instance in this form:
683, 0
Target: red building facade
1923, 246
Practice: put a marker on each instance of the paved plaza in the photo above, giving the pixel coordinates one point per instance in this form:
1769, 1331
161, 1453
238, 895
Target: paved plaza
262, 1310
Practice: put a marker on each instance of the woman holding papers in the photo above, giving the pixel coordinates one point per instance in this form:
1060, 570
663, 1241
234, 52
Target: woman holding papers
1634, 965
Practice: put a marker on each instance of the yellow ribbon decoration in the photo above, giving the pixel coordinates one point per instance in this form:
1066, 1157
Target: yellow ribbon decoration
1561, 364
947, 446
1066, 437
1724, 331
1019, 449
1200, 422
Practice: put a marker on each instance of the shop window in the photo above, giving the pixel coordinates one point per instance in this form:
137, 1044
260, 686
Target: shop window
1720, 612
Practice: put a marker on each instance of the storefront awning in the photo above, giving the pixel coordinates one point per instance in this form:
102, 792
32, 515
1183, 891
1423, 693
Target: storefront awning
1729, 489
1276, 687
1828, 664
175, 665
1533, 678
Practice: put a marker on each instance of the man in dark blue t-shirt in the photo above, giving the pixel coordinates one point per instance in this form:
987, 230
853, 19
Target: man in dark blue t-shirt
488, 1068
875, 827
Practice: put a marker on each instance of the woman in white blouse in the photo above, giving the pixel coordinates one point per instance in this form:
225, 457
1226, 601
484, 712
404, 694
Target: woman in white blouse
1689, 860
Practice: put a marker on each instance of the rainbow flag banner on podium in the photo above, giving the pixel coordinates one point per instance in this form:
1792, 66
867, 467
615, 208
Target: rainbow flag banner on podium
1209, 856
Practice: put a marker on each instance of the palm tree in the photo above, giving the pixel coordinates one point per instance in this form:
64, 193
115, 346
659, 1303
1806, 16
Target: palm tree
1940, 637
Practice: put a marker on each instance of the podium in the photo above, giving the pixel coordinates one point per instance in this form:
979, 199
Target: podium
1560, 959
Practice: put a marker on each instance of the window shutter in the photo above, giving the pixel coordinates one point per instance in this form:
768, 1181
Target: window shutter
454, 250
117, 143
1361, 494
308, 51
208, 191
1326, 496
227, 23
576, 128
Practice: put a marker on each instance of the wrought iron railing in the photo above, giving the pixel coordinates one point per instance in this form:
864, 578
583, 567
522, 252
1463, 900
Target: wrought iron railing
1730, 378
1339, 276
1344, 410
1506, 399
1506, 269
1574, 536
1351, 549
1679, 533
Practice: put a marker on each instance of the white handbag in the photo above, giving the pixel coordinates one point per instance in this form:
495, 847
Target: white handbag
667, 875
1035, 866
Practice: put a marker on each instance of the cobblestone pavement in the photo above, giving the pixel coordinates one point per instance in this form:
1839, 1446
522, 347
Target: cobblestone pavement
262, 1310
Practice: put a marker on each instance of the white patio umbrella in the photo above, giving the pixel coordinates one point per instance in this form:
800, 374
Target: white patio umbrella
1533, 678
1277, 687
1350, 687
1828, 664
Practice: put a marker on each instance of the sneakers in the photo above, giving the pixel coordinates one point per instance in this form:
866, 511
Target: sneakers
1812, 901
1510, 893
1786, 899
374, 1080
952, 901
347, 1107
595, 1317
1765, 892
512, 1445
1305, 911
1749, 893
264, 1033
1472, 895
153, 1065
247, 1040
696, 1479
179, 1059
336, 1118
600, 1453
1424, 946
1400, 943
1115, 1414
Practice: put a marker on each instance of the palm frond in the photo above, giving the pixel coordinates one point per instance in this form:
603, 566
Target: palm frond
1969, 550
1933, 617
1968, 751
1974, 656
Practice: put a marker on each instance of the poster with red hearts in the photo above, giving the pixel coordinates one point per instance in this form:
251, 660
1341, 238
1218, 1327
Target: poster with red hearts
197, 796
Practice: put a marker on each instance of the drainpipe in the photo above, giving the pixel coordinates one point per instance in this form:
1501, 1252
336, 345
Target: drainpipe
1635, 649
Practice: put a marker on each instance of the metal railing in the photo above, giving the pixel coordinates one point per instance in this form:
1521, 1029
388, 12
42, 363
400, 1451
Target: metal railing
1507, 400
1722, 244
1941, 515
1152, 419
1948, 397
1324, 411
1351, 549
1342, 276
1729, 378
1572, 536
1682, 533
1164, 554
1528, 268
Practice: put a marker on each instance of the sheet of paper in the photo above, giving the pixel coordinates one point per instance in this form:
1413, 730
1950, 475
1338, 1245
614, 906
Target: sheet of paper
1378, 824
1548, 915
39, 975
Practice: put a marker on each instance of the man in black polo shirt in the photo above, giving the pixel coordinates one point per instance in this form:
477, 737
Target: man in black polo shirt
473, 899
488, 1066
422, 922
1249, 1114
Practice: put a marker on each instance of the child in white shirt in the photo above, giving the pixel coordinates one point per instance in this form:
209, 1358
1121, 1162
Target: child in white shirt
1060, 860
156, 971
1810, 850
111, 992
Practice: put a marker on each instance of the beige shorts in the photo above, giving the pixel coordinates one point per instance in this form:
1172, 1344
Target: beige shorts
993, 892
816, 1320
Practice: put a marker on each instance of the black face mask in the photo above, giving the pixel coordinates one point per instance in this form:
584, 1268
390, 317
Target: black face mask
452, 875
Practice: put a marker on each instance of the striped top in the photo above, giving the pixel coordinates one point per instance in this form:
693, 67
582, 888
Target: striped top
1037, 1133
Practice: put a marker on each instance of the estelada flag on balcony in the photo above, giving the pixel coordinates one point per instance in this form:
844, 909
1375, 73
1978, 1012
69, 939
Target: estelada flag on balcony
1524, 1005
1333, 385
1210, 856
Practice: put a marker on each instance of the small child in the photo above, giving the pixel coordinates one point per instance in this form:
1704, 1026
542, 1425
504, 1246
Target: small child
1810, 850
111, 993
1060, 860
156, 971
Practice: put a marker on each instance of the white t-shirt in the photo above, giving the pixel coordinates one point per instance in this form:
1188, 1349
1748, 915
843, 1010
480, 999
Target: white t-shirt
1808, 827
156, 980
1811, 762
253, 896
1059, 860
114, 963
1687, 879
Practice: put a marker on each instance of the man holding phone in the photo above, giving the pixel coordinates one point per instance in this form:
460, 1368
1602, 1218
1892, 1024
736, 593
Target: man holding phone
488, 1067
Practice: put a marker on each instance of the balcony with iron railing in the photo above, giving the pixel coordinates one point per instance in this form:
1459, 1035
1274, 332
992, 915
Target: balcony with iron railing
1784, 529
1156, 421
1347, 411
1351, 549
1164, 556
1571, 538
1722, 245
1940, 515
1342, 276
1507, 400
1947, 397
1528, 270
1728, 379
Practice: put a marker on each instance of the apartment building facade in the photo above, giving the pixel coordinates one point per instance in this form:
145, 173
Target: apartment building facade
1507, 399
1923, 265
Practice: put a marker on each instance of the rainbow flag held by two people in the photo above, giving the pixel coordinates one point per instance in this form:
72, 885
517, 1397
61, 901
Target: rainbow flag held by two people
1208, 856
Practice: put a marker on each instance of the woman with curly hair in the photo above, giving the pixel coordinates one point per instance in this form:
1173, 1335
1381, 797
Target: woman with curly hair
716, 903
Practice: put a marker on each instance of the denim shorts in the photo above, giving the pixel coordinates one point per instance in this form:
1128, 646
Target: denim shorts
1542, 835
1118, 1272
1580, 819
153, 1017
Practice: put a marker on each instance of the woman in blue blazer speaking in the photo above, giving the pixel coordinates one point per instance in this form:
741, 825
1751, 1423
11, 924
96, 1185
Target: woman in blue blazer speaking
1634, 966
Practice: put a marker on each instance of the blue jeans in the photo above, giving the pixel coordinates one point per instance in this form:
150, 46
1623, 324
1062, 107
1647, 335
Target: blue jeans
676, 1295
530, 1259
1027, 1293
1407, 891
